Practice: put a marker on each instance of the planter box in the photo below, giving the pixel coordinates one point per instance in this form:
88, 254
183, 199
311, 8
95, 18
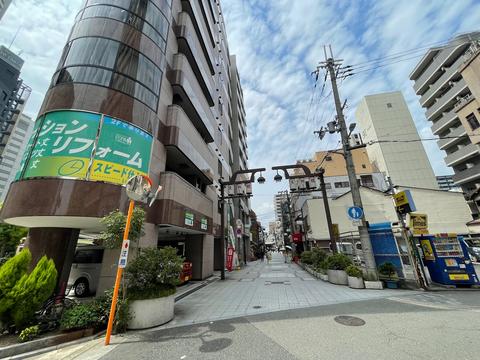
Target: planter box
375, 285
355, 283
338, 277
324, 277
391, 284
151, 312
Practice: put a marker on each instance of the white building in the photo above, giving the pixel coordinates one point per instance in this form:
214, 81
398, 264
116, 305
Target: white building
13, 152
385, 117
447, 212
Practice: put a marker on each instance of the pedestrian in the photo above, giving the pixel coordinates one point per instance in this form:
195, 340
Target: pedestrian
269, 257
262, 255
285, 255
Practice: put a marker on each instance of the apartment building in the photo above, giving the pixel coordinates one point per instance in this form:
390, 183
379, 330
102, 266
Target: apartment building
279, 199
385, 122
439, 83
445, 182
142, 87
4, 4
13, 152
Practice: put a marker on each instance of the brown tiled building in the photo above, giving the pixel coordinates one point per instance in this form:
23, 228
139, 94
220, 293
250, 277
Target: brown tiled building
159, 68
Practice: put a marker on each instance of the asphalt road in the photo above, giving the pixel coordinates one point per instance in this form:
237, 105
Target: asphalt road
426, 326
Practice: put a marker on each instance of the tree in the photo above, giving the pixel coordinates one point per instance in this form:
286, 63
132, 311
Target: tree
115, 222
10, 236
10, 273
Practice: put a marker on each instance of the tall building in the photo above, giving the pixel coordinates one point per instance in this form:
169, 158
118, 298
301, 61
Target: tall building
445, 182
279, 199
13, 93
142, 87
439, 83
238, 158
4, 6
13, 152
385, 117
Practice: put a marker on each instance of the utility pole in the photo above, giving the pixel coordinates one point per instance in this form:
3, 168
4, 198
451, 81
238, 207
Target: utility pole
327, 210
330, 64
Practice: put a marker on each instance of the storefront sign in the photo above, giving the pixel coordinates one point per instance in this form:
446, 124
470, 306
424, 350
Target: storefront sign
458, 277
83, 145
204, 224
404, 202
418, 223
427, 250
189, 218
230, 252
297, 238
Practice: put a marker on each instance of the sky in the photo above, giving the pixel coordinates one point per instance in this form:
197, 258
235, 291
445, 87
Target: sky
278, 43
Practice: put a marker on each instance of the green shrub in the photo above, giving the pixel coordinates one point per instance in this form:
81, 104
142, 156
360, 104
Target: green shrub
153, 273
354, 271
32, 290
10, 273
95, 314
388, 270
307, 257
338, 262
318, 255
81, 316
29, 333
115, 222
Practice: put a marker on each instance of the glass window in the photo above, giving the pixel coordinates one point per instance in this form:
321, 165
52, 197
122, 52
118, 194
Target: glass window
90, 256
85, 74
92, 51
472, 121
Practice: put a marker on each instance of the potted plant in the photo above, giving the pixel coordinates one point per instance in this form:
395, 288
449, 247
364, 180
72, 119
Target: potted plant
388, 274
355, 277
371, 282
337, 263
151, 285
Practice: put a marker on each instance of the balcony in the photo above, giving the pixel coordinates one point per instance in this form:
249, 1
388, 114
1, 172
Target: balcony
449, 98
462, 154
189, 44
467, 175
442, 81
445, 122
189, 95
186, 148
458, 133
192, 7
435, 66
177, 198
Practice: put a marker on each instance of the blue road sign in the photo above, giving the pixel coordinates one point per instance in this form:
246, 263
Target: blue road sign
355, 212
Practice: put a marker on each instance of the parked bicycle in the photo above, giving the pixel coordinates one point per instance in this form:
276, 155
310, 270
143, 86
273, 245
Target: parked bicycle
49, 316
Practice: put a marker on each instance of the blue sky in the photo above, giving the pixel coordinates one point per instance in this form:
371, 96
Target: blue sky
278, 44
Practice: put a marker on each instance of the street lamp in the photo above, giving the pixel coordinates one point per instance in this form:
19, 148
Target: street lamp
233, 181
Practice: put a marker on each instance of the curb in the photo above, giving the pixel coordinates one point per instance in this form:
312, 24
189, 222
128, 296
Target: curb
29, 349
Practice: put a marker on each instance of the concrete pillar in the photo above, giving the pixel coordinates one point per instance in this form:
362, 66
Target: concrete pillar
207, 257
57, 244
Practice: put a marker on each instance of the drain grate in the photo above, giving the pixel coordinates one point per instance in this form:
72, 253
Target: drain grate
349, 320
257, 307
277, 282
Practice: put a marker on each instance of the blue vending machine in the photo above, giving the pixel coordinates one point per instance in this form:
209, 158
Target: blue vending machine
447, 260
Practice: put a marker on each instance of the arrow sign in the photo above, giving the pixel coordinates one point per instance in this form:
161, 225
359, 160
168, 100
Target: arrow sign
355, 212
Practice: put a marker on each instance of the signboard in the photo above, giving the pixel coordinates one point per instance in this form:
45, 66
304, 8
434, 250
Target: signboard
64, 145
122, 151
336, 231
458, 277
29, 146
404, 202
297, 237
204, 224
355, 212
418, 223
83, 145
122, 262
189, 218
427, 250
230, 252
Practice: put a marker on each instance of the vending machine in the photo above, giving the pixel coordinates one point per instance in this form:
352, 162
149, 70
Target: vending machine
447, 260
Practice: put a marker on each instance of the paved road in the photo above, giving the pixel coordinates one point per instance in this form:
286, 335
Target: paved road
296, 320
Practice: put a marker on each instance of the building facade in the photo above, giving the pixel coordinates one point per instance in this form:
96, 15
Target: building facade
144, 85
383, 118
439, 83
13, 152
445, 182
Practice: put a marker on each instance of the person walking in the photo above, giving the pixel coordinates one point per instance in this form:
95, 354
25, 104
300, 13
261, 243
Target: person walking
285, 255
269, 257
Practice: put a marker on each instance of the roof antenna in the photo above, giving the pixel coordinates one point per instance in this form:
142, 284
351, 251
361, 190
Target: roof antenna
14, 36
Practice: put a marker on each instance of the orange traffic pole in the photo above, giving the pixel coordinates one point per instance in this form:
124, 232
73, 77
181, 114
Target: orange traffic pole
119, 277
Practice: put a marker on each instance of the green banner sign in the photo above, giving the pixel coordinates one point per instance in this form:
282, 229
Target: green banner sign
70, 144
29, 146
204, 224
189, 218
122, 151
